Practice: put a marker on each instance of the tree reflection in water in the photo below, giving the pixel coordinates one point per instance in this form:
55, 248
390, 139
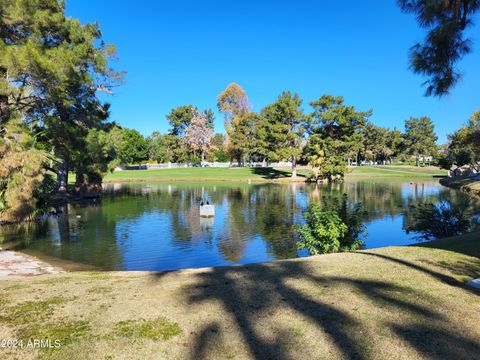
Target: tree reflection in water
158, 226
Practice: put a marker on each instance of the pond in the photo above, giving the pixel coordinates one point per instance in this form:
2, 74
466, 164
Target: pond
158, 226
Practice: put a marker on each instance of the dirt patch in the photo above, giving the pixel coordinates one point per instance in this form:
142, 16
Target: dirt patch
14, 264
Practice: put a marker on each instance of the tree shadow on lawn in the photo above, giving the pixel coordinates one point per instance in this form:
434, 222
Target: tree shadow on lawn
462, 268
252, 293
271, 173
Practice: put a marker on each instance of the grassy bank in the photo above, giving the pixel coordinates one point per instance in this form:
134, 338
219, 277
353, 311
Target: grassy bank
391, 303
198, 174
465, 184
396, 171
260, 174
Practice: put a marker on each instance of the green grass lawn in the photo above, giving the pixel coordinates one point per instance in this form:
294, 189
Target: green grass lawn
204, 174
396, 171
260, 174
393, 303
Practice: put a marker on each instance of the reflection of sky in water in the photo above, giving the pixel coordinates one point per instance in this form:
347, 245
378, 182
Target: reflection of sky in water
388, 232
420, 190
158, 227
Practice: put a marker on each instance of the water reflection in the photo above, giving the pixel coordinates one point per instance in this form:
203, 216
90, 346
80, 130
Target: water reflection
158, 226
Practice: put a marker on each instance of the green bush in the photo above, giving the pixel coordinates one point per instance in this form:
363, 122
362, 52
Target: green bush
334, 226
322, 232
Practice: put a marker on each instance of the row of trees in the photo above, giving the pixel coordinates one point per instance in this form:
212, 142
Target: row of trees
329, 138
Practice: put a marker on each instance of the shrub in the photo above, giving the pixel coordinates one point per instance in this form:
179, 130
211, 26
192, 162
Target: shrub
322, 232
334, 226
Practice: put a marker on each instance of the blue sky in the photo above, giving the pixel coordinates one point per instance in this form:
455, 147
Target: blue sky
187, 52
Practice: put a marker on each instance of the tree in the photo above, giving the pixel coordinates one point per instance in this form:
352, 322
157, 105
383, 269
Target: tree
335, 135
332, 226
158, 148
287, 127
180, 119
322, 232
98, 157
376, 143
395, 142
420, 138
199, 135
244, 137
133, 148
464, 145
22, 174
325, 162
218, 146
232, 102
445, 44
51, 70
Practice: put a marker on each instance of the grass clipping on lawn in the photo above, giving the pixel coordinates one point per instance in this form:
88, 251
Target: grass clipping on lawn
391, 303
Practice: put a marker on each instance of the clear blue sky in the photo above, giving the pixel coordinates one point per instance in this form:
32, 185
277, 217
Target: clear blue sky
186, 52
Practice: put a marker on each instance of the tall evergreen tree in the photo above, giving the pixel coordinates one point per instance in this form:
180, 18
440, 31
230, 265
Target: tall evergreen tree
420, 138
243, 139
51, 69
336, 134
287, 126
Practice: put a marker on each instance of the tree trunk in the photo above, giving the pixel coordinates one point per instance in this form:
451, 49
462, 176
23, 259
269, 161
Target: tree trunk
417, 160
62, 177
294, 167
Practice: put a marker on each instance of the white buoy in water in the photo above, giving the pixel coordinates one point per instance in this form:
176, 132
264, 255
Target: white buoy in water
207, 210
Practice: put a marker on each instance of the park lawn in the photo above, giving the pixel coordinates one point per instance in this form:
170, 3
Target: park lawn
392, 303
395, 171
199, 174
260, 174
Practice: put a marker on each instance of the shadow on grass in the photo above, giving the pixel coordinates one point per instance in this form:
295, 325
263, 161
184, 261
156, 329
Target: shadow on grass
270, 173
438, 276
250, 294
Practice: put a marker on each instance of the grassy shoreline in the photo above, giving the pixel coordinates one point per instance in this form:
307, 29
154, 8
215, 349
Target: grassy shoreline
398, 302
261, 174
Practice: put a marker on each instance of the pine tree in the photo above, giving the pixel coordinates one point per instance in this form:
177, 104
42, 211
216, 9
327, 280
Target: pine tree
287, 126
420, 137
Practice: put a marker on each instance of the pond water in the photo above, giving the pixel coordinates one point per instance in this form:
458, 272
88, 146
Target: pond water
158, 226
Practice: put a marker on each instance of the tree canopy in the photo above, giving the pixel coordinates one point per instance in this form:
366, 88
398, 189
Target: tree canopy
445, 44
287, 125
232, 102
420, 137
335, 135
51, 70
